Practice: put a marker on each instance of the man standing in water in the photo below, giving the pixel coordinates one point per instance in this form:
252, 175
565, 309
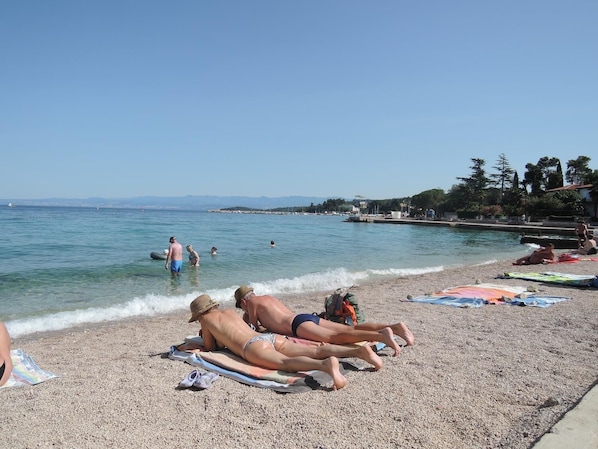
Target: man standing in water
175, 256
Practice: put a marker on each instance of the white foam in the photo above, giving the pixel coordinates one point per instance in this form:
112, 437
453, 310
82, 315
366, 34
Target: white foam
151, 304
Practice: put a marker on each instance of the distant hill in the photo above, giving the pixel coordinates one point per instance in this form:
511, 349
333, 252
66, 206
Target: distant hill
189, 202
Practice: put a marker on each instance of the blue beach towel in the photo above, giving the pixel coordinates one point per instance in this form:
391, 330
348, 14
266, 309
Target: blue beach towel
478, 295
229, 365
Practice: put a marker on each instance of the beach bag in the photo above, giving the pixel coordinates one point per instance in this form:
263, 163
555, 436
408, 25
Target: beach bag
342, 308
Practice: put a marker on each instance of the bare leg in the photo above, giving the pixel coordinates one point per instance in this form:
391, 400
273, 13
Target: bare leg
388, 337
326, 350
399, 329
329, 332
364, 353
334, 370
403, 331
262, 354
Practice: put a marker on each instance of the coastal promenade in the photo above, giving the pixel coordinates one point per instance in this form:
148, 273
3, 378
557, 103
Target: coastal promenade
528, 228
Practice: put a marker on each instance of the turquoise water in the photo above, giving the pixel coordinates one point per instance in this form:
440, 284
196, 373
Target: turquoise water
67, 266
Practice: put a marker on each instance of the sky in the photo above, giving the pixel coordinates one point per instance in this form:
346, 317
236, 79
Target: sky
327, 98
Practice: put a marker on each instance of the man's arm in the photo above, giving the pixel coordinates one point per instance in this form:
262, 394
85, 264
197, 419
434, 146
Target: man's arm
168, 256
209, 342
253, 318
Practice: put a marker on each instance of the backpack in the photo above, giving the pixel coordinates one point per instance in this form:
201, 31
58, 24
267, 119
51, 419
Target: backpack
342, 308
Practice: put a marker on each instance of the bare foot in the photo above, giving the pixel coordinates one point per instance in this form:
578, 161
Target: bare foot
366, 353
403, 331
332, 367
388, 337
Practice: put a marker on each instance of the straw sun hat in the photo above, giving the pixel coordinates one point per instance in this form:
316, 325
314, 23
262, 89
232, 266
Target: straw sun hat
240, 294
200, 305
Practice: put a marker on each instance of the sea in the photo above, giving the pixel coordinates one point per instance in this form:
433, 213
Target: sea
69, 266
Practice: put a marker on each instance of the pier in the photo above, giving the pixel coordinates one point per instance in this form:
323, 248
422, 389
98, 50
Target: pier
529, 228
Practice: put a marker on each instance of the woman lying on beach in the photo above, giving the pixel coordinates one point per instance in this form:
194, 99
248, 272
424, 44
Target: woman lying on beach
5, 362
541, 255
224, 328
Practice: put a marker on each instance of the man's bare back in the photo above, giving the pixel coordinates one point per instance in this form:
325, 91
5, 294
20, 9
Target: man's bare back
270, 313
175, 251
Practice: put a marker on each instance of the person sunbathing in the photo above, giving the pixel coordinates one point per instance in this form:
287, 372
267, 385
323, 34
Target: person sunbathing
273, 315
225, 328
587, 247
5, 361
541, 255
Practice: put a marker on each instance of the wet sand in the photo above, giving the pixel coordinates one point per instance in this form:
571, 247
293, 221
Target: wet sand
491, 377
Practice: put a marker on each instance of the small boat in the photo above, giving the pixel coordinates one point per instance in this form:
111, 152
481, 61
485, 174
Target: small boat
10, 205
158, 256
557, 241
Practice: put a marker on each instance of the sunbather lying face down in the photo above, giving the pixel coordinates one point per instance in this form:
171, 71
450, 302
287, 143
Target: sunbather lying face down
224, 328
273, 315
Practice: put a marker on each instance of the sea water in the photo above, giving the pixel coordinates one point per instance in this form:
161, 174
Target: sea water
67, 266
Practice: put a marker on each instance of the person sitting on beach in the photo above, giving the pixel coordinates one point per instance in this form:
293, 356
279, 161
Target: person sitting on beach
5, 360
581, 231
225, 328
193, 256
273, 315
587, 247
541, 255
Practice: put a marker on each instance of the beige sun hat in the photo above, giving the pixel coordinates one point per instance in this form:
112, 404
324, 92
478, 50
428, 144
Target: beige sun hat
200, 305
240, 294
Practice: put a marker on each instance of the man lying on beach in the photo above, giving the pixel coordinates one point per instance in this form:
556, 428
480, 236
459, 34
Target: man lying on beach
273, 315
541, 255
224, 328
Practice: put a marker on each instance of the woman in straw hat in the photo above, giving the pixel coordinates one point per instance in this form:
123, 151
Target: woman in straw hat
224, 328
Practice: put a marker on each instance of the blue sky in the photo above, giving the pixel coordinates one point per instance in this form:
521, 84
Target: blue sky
273, 98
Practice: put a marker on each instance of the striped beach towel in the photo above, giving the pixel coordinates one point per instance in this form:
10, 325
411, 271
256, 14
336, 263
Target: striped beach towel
25, 371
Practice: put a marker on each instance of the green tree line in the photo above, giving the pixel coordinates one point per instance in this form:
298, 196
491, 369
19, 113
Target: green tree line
498, 192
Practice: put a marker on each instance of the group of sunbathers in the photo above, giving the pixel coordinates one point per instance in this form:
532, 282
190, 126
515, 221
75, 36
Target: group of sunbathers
273, 350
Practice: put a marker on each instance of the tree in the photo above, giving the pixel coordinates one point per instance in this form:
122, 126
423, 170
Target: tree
545, 175
429, 199
578, 170
532, 178
554, 176
475, 186
334, 205
593, 179
513, 201
502, 178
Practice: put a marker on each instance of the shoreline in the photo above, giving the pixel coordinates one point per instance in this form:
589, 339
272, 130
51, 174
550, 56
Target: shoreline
497, 376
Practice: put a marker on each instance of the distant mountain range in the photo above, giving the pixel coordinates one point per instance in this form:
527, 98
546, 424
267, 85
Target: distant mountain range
189, 202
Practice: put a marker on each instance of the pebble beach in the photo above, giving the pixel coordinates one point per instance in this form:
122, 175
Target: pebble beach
498, 376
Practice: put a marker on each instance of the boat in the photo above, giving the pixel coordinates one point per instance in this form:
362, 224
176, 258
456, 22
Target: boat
158, 256
557, 241
10, 205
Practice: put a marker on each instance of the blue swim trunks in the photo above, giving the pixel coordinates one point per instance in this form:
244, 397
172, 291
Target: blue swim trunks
302, 318
175, 266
